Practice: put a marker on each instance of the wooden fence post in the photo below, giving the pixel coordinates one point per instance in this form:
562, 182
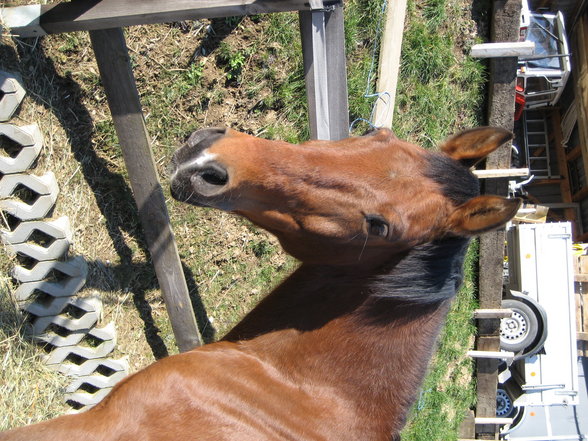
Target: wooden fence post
123, 99
389, 65
505, 27
323, 48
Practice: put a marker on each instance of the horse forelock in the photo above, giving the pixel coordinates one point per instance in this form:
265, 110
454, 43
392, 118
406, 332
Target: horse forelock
457, 182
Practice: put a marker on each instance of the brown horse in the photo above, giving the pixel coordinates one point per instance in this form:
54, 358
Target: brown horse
339, 350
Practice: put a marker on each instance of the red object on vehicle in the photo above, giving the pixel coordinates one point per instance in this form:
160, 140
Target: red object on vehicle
519, 103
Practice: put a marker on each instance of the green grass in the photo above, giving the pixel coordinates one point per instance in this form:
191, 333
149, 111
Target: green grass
441, 89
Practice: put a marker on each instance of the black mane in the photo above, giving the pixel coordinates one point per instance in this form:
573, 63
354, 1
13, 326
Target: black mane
428, 274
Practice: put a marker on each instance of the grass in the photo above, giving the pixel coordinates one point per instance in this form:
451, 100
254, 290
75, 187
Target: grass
442, 90
29, 389
246, 74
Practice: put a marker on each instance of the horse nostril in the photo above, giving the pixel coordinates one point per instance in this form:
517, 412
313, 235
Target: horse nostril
213, 175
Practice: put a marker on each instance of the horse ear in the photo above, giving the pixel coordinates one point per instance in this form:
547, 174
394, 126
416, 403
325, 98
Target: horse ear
475, 144
483, 213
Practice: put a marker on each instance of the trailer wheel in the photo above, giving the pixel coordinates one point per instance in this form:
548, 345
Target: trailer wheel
519, 331
505, 408
504, 404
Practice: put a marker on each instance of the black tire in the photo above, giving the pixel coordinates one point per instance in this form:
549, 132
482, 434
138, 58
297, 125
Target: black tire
504, 404
520, 330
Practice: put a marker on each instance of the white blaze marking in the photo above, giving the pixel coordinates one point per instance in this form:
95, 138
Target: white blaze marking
203, 159
199, 162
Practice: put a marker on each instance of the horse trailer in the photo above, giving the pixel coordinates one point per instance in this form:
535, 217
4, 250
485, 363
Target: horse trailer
544, 389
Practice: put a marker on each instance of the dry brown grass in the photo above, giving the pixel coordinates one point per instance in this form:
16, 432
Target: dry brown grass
228, 263
30, 391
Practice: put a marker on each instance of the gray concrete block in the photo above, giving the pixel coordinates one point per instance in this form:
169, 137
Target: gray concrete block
98, 381
43, 203
92, 306
74, 267
58, 355
31, 141
72, 339
88, 367
87, 400
50, 307
57, 229
57, 249
45, 184
63, 288
12, 94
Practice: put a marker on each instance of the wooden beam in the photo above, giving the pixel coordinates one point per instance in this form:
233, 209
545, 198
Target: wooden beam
123, 99
500, 50
487, 382
85, 15
323, 48
501, 173
552, 181
580, 195
504, 27
499, 355
562, 164
492, 313
574, 154
580, 78
389, 65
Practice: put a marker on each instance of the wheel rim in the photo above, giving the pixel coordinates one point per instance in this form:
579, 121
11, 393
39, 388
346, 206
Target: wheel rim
503, 403
514, 329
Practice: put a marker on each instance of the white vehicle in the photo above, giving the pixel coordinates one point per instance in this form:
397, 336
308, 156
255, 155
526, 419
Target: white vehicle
541, 390
541, 78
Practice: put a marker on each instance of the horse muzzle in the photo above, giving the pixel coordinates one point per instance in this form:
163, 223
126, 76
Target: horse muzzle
196, 176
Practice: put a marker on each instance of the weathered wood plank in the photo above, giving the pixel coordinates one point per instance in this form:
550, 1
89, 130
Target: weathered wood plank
505, 27
510, 49
580, 77
467, 428
389, 65
562, 165
492, 313
501, 173
123, 99
85, 15
323, 47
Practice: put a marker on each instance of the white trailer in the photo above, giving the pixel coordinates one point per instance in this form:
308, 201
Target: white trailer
541, 390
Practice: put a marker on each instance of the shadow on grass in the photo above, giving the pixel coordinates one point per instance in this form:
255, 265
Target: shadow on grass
62, 95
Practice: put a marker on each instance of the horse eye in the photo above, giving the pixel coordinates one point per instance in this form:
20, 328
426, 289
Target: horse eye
377, 226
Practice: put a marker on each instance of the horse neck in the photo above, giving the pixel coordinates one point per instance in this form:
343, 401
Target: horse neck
315, 295
367, 335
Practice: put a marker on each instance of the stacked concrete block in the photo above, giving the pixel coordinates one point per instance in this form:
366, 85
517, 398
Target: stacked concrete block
54, 243
28, 142
11, 94
49, 281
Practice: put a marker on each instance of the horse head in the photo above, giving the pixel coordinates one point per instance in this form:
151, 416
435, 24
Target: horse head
340, 202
